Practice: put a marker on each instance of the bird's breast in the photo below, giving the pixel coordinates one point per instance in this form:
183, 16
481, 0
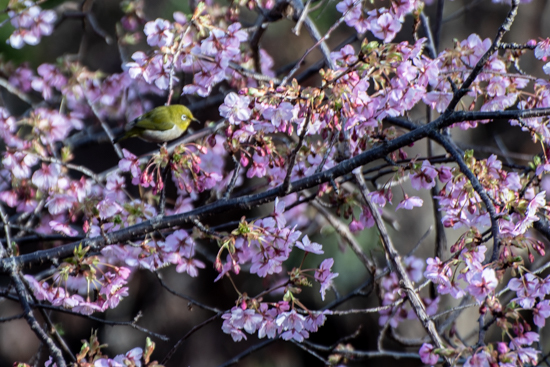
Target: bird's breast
157, 136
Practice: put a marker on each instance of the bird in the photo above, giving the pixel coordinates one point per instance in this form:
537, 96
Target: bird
160, 125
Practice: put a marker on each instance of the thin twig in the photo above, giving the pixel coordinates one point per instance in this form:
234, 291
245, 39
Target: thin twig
234, 177
173, 65
191, 300
345, 233
11, 318
186, 336
319, 42
313, 353
303, 15
247, 352
61, 309
438, 24
13, 90
104, 126
292, 159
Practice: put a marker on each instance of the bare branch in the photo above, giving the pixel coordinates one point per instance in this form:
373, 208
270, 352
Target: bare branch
396, 263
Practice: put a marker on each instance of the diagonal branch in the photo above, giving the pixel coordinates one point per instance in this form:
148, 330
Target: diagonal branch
505, 27
343, 230
476, 185
395, 262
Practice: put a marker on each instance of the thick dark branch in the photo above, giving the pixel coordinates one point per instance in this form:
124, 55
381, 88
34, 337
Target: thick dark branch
249, 201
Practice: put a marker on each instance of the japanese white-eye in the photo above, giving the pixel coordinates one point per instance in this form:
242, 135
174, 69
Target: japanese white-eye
161, 124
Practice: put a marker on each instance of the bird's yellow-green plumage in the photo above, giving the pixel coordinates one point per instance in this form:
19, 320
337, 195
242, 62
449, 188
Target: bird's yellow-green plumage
161, 124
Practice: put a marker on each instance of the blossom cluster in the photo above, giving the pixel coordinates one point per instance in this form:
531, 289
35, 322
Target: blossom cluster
382, 22
91, 355
194, 169
266, 244
31, 24
211, 59
110, 286
270, 322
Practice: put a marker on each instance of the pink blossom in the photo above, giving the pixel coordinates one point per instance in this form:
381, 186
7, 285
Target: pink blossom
541, 312
240, 319
356, 226
46, 177
477, 360
542, 51
278, 213
131, 358
437, 100
477, 47
137, 67
425, 177
308, 246
19, 163
414, 267
59, 203
527, 288
258, 166
159, 33
409, 203
483, 284
324, 276
383, 24
63, 228
292, 325
345, 57
31, 24
190, 266
279, 115
353, 15
108, 208
528, 355
437, 271
130, 163
235, 108
427, 355
87, 308
315, 319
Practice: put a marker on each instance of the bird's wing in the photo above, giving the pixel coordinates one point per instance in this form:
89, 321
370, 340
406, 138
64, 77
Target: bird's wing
162, 122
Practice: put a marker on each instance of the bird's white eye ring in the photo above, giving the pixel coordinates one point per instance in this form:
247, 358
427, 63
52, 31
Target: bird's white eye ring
183, 117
